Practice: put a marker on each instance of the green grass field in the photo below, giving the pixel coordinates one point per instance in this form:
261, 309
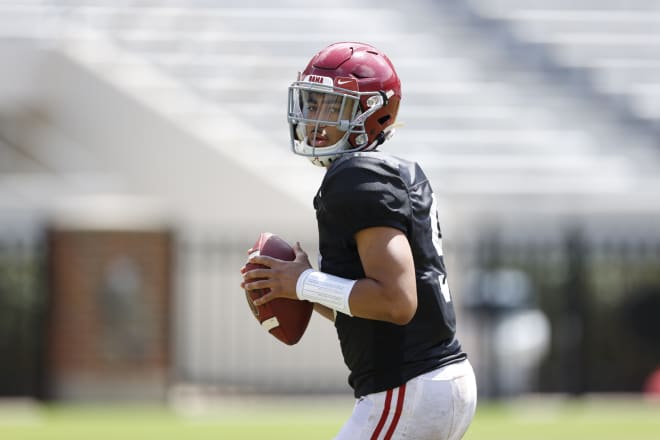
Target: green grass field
306, 419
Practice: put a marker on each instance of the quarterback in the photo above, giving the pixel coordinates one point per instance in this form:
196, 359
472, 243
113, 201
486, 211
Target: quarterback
381, 278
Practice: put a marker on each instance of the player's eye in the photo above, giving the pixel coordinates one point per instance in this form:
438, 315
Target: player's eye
311, 108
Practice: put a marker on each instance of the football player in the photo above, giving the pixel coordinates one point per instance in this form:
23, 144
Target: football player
381, 278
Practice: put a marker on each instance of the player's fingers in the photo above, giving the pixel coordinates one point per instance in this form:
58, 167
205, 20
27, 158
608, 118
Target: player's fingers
256, 273
264, 260
255, 284
265, 298
245, 269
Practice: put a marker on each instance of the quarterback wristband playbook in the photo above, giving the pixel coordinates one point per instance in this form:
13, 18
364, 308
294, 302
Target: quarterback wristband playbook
325, 289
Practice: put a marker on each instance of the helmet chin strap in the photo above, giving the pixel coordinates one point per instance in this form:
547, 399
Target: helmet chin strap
381, 138
326, 160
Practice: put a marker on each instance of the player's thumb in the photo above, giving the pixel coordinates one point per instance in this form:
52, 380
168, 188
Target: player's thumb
301, 255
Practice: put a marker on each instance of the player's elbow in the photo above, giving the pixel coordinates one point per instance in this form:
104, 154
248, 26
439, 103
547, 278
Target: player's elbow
403, 310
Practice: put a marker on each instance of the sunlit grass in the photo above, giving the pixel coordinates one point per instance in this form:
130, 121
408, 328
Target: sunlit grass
308, 419
568, 420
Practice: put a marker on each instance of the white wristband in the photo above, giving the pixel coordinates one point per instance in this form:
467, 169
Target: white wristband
325, 289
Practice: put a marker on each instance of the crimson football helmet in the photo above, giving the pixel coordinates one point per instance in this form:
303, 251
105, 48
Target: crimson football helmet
349, 88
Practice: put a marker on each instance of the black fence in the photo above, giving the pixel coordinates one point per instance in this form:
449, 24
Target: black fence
601, 297
22, 306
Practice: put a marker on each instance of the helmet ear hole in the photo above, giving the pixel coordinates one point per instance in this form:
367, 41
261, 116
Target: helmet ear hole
382, 120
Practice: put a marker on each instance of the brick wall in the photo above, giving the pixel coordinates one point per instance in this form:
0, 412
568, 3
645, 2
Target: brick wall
108, 332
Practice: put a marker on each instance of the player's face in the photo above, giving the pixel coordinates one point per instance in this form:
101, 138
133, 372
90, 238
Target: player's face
328, 110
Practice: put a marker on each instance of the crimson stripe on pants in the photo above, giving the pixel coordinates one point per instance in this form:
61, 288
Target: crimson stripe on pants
383, 416
397, 413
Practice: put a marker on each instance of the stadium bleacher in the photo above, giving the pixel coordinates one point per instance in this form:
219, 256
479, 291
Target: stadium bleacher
618, 43
481, 122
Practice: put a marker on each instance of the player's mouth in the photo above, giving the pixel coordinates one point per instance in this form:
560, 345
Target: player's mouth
319, 141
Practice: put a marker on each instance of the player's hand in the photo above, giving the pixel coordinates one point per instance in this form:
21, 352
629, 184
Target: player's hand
279, 276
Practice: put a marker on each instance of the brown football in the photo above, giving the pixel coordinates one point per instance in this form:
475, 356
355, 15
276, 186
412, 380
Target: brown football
284, 318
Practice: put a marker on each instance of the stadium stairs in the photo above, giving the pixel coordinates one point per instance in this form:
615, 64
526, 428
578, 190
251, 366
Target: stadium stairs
498, 136
607, 50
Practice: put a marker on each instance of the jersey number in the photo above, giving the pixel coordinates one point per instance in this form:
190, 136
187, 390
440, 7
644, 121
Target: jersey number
437, 244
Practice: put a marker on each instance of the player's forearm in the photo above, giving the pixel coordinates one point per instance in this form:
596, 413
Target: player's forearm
324, 311
394, 301
372, 299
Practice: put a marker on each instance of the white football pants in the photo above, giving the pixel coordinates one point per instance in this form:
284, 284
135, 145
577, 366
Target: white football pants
438, 405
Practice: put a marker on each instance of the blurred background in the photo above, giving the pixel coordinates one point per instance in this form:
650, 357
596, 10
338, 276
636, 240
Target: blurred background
144, 146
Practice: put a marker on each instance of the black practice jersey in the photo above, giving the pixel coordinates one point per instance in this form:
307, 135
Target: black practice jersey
363, 190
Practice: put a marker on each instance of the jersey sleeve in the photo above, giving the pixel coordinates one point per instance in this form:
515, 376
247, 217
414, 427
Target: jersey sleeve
366, 194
